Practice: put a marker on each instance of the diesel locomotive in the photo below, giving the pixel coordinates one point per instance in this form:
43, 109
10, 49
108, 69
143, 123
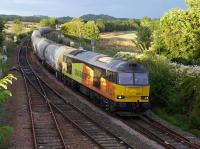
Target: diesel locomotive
118, 85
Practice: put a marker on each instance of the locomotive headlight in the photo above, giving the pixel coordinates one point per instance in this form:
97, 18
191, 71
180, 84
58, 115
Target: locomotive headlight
145, 97
120, 97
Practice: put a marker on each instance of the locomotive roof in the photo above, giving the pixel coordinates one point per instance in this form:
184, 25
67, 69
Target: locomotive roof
105, 62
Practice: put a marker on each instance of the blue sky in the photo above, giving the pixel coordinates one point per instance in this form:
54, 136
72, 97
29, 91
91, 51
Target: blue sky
76, 8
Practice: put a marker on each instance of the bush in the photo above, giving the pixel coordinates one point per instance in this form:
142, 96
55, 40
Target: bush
4, 132
175, 89
4, 93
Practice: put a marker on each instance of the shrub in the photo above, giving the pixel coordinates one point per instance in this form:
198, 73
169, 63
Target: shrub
4, 132
175, 89
4, 93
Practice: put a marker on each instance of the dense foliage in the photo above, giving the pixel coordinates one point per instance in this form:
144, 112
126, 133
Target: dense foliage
144, 32
94, 17
173, 89
116, 25
1, 31
143, 38
22, 18
50, 22
78, 28
178, 35
4, 93
18, 27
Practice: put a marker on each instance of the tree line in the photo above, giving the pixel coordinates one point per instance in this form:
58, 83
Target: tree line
81, 29
2, 23
117, 25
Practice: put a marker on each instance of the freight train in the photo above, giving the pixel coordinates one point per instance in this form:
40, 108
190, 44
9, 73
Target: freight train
118, 85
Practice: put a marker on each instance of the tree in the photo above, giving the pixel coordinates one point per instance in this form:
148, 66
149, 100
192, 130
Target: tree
91, 31
179, 32
145, 21
1, 31
17, 27
133, 24
101, 25
73, 28
143, 38
78, 28
193, 3
50, 22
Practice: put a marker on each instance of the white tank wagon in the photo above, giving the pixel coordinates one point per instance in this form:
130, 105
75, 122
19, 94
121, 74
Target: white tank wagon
35, 38
41, 45
44, 30
49, 54
59, 56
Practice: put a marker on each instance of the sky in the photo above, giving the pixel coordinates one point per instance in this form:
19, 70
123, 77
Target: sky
77, 8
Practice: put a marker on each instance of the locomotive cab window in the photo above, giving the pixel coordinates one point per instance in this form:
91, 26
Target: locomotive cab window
125, 78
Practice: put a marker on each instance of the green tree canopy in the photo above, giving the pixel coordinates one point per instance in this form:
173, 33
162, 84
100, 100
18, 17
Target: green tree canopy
17, 27
101, 25
80, 29
50, 22
143, 38
4, 93
91, 31
1, 31
73, 28
193, 3
179, 34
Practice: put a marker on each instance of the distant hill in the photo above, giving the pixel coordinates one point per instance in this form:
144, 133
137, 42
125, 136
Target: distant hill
61, 20
31, 18
96, 17
22, 18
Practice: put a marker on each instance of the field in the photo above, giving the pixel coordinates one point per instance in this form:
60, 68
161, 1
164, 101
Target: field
127, 35
26, 25
110, 43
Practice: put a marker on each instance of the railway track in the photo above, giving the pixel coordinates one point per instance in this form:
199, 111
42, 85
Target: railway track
100, 136
160, 133
45, 128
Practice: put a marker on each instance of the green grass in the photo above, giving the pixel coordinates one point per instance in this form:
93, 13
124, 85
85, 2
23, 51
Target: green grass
175, 119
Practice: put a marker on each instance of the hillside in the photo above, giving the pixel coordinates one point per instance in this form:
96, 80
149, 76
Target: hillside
96, 17
35, 19
61, 20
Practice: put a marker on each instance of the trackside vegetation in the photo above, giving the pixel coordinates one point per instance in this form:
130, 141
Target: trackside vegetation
175, 91
174, 43
4, 93
5, 130
177, 35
